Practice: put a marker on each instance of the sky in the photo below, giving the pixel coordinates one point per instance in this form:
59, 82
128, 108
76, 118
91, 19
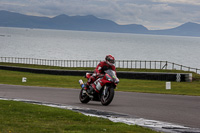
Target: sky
153, 14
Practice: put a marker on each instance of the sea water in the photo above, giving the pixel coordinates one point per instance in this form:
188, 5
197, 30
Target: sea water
82, 45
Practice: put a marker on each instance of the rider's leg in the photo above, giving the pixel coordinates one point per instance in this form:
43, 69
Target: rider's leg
90, 81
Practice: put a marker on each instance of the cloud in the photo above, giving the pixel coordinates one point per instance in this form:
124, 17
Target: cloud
191, 2
149, 15
154, 14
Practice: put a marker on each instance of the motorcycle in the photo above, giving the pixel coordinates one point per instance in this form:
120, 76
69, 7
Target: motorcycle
105, 94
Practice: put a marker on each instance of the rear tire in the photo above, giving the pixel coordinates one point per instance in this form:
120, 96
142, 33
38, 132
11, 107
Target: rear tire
106, 100
84, 98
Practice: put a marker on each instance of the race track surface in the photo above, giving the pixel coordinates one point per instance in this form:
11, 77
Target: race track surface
183, 110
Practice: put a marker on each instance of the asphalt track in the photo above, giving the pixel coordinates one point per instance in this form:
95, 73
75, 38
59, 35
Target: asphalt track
183, 110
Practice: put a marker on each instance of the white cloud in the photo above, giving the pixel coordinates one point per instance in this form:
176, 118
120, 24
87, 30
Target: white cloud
12, 4
192, 2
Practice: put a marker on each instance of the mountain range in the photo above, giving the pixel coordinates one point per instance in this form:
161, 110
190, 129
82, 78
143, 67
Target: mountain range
89, 23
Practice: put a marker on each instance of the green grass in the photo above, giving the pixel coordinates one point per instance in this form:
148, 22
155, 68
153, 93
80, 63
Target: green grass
19, 117
150, 86
130, 85
15, 78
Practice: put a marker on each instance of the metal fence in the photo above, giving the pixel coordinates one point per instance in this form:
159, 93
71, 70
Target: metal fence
135, 64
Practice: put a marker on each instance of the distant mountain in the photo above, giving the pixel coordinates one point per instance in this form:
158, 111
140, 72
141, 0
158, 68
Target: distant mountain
187, 29
64, 22
89, 23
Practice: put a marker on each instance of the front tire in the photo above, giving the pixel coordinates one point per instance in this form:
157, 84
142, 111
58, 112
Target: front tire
84, 98
107, 99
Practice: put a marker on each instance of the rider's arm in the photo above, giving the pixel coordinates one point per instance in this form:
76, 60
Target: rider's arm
98, 68
113, 68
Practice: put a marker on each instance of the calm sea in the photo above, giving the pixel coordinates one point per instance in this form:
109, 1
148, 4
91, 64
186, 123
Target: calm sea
78, 45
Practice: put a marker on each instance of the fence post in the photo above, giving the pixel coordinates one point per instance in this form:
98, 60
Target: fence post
83, 63
150, 64
135, 64
131, 63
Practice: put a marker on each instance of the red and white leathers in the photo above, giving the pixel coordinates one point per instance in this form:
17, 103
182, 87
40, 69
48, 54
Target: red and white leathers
99, 70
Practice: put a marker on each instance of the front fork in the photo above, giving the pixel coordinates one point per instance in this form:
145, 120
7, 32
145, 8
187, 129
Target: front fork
105, 90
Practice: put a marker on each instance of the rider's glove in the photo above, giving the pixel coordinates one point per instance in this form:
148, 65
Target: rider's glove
117, 81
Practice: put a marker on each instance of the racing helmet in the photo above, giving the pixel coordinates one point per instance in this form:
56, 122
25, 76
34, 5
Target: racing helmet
110, 60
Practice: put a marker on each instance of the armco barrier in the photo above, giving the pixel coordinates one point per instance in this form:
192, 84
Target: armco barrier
179, 77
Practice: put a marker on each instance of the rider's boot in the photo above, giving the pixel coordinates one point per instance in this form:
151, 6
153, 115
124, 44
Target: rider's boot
90, 89
86, 88
88, 85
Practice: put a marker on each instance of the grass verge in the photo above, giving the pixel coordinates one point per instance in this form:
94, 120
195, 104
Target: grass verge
19, 117
130, 85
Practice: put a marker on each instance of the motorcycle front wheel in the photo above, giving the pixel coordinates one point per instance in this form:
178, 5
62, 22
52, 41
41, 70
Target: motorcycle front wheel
107, 98
84, 98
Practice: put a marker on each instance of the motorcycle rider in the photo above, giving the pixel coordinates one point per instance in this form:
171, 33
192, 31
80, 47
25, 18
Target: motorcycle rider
100, 70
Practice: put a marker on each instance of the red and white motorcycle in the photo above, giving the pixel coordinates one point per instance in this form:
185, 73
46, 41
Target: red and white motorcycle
105, 94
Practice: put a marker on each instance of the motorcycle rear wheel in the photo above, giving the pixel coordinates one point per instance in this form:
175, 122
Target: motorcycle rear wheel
84, 98
107, 99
